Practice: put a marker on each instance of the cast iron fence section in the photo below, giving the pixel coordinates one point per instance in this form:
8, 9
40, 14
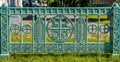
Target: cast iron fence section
59, 30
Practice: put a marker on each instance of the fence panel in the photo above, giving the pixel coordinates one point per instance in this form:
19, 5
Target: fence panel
59, 30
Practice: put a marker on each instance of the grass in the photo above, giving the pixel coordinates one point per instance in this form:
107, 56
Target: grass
61, 58
91, 38
96, 16
94, 38
104, 19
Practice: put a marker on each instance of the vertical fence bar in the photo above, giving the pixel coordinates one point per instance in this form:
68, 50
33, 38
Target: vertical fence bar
9, 34
0, 27
75, 31
86, 28
81, 28
98, 31
99, 28
116, 29
21, 34
110, 16
4, 52
33, 20
45, 20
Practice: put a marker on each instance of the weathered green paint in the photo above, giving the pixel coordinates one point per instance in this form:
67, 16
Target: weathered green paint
116, 28
59, 28
4, 31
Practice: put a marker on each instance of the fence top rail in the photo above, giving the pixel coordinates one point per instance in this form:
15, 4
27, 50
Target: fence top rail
56, 10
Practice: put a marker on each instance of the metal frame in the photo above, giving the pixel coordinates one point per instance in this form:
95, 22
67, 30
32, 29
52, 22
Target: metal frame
59, 32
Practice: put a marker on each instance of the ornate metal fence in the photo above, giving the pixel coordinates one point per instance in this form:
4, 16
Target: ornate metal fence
60, 30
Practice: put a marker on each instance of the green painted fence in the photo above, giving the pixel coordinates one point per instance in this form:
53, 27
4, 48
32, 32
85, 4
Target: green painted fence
60, 30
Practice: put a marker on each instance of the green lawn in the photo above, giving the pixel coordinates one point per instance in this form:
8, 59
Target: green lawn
104, 19
61, 58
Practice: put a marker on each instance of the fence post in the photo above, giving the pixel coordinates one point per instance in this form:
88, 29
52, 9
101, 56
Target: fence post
116, 29
4, 52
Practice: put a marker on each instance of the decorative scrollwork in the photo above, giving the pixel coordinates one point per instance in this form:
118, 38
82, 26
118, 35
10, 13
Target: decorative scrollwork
39, 30
59, 28
92, 28
104, 29
116, 34
27, 28
81, 29
15, 29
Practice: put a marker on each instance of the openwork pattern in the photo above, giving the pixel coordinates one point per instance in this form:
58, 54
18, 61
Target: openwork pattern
39, 48
15, 29
39, 30
51, 48
4, 33
15, 47
104, 29
81, 29
59, 28
92, 29
116, 40
62, 48
27, 29
27, 47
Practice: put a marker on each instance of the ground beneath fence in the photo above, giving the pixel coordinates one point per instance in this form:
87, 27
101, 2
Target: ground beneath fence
61, 58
